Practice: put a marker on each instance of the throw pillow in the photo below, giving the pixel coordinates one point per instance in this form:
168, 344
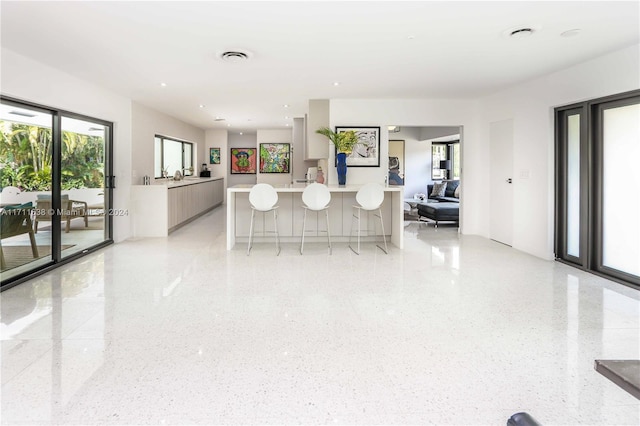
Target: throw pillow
439, 189
457, 193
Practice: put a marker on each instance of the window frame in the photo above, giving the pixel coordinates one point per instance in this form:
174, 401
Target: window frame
448, 155
158, 173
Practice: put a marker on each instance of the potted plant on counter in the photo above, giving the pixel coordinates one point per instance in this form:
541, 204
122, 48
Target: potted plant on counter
344, 143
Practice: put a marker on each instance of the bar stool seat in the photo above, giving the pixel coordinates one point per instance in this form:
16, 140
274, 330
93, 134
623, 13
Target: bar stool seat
316, 197
263, 198
370, 198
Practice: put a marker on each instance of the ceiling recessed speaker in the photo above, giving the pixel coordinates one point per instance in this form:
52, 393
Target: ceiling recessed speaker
234, 56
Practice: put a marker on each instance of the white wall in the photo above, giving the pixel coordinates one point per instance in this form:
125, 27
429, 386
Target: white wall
236, 140
530, 105
29, 80
146, 124
218, 138
274, 136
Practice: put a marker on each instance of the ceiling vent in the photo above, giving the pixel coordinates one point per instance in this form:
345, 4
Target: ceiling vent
235, 56
521, 32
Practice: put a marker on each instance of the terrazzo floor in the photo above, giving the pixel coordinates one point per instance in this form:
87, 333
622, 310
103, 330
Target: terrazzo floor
454, 329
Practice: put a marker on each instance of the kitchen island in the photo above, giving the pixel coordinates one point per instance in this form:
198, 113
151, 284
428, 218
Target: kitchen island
290, 215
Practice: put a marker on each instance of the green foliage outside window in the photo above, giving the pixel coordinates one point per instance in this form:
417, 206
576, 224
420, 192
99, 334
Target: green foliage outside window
26, 154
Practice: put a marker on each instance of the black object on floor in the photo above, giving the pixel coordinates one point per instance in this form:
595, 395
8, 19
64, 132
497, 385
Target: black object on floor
522, 419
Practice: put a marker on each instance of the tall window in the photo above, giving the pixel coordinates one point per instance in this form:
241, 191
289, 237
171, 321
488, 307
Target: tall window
172, 155
597, 203
445, 151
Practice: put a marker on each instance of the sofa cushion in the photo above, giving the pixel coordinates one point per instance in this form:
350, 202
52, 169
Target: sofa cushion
457, 192
452, 185
439, 188
449, 200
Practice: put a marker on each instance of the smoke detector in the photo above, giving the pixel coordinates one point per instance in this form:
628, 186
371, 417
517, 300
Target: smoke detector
235, 56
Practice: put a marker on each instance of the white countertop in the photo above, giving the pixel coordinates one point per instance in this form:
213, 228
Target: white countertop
169, 183
299, 187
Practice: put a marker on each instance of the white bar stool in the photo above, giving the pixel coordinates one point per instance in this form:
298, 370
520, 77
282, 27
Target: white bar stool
369, 198
263, 198
316, 197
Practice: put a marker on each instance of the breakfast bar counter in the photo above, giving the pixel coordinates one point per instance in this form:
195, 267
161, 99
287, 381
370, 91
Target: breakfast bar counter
290, 215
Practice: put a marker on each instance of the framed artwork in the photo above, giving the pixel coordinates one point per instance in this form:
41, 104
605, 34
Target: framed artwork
214, 155
396, 162
243, 161
274, 157
366, 153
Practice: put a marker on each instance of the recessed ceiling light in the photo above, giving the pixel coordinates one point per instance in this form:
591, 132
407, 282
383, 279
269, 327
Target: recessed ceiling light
163, 84
571, 33
229, 125
286, 106
240, 132
286, 117
287, 124
336, 83
218, 119
201, 106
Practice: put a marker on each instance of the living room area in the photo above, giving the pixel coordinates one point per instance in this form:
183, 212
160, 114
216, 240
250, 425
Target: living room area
427, 162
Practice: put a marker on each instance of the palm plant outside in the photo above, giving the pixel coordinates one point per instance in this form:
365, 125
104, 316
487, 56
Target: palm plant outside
26, 155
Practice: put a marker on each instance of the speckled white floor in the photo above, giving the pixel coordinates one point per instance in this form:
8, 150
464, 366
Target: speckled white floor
452, 330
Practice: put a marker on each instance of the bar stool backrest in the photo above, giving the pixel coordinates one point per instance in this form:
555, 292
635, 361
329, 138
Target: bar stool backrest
316, 196
370, 196
263, 197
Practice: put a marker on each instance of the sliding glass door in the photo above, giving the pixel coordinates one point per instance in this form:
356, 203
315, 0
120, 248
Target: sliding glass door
617, 125
26, 159
82, 178
54, 174
597, 175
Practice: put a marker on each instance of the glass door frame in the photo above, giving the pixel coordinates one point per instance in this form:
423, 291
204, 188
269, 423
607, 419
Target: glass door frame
562, 184
591, 185
597, 113
56, 189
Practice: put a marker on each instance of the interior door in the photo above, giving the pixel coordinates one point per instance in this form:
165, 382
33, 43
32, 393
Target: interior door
501, 181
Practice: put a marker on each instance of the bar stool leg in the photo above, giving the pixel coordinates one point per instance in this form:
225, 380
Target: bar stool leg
275, 222
351, 233
383, 237
304, 224
328, 233
253, 213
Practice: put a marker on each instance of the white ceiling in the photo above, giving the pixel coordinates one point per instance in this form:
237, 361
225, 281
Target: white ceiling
375, 50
